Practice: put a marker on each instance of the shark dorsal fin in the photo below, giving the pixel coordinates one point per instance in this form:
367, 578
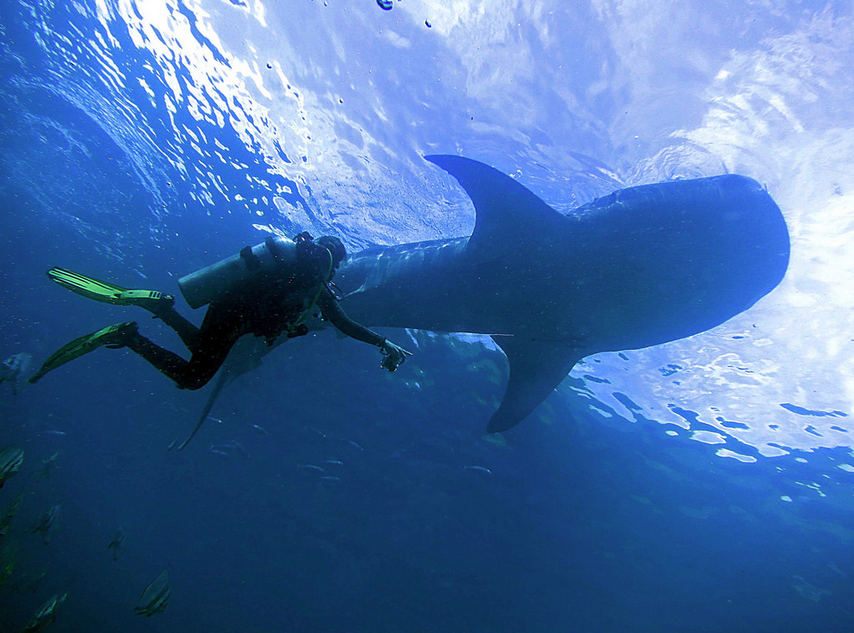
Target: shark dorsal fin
507, 212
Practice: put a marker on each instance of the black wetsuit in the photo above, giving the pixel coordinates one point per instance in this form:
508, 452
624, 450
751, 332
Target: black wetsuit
269, 306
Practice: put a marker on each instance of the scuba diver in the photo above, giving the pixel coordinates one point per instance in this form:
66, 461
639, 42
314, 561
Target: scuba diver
268, 290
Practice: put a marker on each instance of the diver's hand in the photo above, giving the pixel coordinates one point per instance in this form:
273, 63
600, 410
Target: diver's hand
393, 356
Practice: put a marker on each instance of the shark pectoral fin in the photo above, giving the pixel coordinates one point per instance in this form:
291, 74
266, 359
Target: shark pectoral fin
245, 356
536, 369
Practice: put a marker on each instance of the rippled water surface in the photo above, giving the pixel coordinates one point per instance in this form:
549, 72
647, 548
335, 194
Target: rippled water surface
702, 485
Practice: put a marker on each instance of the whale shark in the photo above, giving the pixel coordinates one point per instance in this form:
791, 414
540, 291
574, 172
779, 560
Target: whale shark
640, 267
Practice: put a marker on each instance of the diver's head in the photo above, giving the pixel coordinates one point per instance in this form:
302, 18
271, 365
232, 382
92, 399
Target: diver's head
335, 248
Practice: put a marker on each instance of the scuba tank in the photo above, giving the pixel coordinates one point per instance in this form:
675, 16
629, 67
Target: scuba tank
211, 283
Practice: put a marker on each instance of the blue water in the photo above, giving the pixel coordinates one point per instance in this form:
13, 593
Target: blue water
705, 485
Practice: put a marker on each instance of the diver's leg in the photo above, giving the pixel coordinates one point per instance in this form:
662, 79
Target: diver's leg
220, 329
188, 332
193, 374
168, 363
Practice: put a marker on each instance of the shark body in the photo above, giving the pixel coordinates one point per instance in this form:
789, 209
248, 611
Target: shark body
640, 267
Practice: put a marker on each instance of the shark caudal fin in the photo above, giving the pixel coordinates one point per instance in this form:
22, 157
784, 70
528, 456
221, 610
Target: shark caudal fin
510, 222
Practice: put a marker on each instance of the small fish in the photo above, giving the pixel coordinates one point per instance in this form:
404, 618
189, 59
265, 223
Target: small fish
214, 420
310, 467
12, 369
329, 478
53, 432
46, 522
260, 429
155, 597
479, 468
46, 614
8, 558
320, 433
47, 467
334, 461
116, 546
239, 447
233, 445
6, 521
352, 443
222, 454
11, 458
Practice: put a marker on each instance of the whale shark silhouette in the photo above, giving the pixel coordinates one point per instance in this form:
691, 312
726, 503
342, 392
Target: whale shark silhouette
640, 267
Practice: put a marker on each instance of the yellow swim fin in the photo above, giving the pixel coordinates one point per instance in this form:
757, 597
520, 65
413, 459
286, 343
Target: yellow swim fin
112, 335
98, 290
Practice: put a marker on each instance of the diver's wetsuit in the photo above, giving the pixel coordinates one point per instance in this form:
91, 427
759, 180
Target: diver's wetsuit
266, 307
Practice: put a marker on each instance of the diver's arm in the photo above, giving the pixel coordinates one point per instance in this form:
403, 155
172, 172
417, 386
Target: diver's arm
333, 313
393, 355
